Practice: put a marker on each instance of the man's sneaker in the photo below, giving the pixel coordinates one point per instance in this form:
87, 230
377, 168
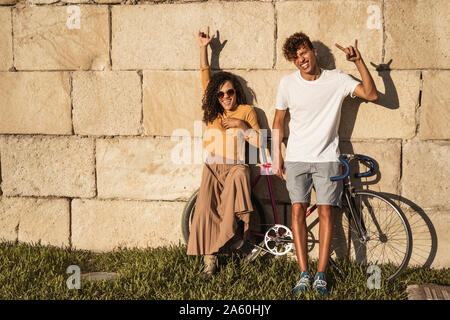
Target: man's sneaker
320, 284
302, 284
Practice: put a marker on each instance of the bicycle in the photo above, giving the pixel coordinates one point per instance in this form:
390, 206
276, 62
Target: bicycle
376, 227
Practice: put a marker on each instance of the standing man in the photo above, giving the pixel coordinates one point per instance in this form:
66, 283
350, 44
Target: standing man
314, 97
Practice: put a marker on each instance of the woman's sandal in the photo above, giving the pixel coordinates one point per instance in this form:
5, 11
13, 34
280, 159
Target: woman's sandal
211, 264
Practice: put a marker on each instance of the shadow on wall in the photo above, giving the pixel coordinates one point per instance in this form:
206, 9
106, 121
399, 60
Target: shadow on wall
425, 242
350, 108
216, 48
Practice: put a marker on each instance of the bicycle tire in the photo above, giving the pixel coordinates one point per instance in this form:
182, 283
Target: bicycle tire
188, 213
189, 209
384, 226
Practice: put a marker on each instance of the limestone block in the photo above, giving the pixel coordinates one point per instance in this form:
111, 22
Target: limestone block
391, 116
61, 38
47, 221
107, 1
347, 20
76, 1
6, 61
172, 100
147, 168
426, 167
10, 212
35, 220
431, 240
43, 1
41, 103
106, 103
107, 225
142, 40
47, 166
387, 157
435, 107
417, 33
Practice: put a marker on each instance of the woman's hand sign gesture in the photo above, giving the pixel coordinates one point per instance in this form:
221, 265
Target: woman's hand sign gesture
204, 39
351, 52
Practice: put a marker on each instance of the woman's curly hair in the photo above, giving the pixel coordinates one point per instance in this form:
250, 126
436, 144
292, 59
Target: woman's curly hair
293, 43
210, 103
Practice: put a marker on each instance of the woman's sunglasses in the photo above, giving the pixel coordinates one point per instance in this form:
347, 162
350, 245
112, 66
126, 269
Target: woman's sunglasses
221, 94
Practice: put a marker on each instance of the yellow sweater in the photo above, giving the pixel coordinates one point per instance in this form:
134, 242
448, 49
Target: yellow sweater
223, 142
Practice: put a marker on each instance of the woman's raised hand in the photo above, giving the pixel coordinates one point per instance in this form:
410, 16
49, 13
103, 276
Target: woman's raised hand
203, 38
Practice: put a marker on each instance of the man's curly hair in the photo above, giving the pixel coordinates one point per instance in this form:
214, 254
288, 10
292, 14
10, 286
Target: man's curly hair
210, 103
295, 42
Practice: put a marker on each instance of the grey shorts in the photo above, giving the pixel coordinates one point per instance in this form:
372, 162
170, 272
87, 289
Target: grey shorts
301, 177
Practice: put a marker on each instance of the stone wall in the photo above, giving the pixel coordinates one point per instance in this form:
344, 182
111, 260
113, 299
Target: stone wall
92, 94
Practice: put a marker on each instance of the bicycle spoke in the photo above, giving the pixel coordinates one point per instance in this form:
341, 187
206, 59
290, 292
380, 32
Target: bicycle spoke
386, 237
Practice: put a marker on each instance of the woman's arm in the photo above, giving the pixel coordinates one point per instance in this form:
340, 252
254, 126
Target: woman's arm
249, 125
253, 136
203, 41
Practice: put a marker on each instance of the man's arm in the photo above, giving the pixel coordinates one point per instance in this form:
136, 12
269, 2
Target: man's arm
277, 138
367, 89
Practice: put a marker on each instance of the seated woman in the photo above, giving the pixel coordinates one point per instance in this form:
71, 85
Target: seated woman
224, 195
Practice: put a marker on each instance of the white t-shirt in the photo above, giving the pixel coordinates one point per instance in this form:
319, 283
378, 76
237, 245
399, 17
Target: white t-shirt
315, 109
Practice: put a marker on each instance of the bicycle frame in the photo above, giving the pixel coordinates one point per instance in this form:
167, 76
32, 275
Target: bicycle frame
354, 214
266, 167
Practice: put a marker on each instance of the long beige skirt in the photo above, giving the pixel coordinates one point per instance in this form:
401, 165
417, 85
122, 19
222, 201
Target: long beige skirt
223, 199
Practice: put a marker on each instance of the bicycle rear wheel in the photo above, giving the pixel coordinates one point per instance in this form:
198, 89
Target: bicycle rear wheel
257, 219
188, 214
377, 233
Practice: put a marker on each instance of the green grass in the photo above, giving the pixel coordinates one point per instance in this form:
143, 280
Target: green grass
39, 272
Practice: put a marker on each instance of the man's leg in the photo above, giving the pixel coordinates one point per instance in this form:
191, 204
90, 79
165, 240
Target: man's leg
325, 232
299, 185
328, 194
300, 233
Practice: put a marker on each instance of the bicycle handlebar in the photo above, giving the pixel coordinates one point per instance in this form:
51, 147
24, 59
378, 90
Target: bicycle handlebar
369, 173
345, 162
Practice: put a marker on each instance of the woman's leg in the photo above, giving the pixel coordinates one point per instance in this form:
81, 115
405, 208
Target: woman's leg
235, 202
206, 220
205, 223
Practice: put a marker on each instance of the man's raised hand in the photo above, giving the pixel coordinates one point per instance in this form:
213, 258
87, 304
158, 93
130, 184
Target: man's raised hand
351, 52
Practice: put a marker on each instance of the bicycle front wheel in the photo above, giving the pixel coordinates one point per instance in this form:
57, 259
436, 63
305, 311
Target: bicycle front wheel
376, 232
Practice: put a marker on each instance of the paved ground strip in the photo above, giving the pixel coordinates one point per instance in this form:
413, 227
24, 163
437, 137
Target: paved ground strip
99, 276
428, 292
